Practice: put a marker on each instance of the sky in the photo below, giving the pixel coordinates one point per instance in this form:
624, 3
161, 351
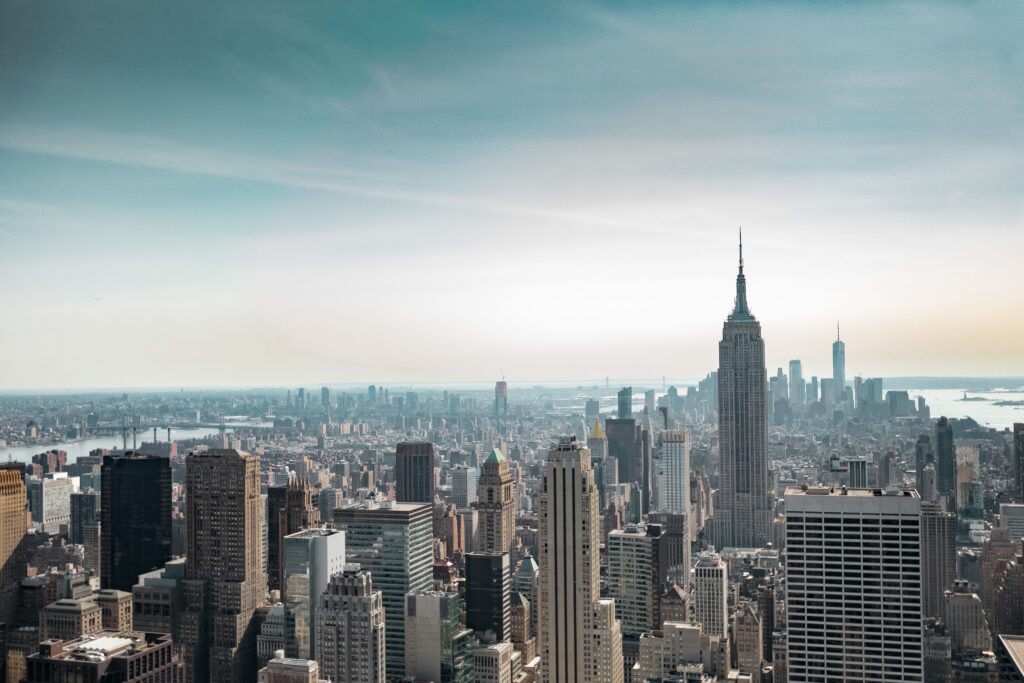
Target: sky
211, 194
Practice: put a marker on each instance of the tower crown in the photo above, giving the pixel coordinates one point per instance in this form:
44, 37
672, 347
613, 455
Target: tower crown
740, 310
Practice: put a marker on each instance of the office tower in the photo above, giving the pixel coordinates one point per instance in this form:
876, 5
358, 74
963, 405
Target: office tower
85, 509
522, 636
350, 641
938, 557
888, 470
464, 485
766, 610
311, 557
676, 533
223, 583
997, 551
605, 469
135, 518
682, 652
744, 511
625, 448
965, 620
748, 638
923, 456
1018, 460
592, 410
12, 531
496, 504
92, 542
501, 399
1011, 516
325, 397
156, 600
488, 595
635, 579
496, 663
290, 509
394, 543
650, 404
797, 386
49, 499
710, 594
812, 390
569, 604
527, 583
414, 472
858, 468
437, 647
672, 472
625, 397
839, 367
868, 626
945, 457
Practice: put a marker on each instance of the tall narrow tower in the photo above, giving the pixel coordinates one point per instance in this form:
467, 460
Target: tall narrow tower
579, 642
744, 511
496, 503
839, 367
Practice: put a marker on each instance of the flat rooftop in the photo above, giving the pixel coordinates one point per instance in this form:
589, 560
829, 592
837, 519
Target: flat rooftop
850, 492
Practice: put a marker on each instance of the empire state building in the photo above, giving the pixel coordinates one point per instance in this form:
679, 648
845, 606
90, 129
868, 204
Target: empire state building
743, 512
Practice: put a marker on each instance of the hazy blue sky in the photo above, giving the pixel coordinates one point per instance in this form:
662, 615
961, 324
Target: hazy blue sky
197, 194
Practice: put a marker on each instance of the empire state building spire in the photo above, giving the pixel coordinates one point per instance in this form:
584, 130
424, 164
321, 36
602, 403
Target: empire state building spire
740, 310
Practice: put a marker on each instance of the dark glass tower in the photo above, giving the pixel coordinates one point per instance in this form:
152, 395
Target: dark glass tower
489, 595
414, 472
743, 515
945, 457
135, 528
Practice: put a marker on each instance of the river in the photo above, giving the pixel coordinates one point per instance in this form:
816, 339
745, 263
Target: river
83, 446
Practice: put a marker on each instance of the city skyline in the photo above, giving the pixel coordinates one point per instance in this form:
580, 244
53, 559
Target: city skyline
452, 201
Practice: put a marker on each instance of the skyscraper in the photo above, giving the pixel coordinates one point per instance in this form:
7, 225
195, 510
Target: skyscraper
574, 629
923, 456
797, 386
414, 472
310, 558
945, 457
290, 508
437, 647
672, 472
135, 518
501, 399
711, 594
625, 397
350, 645
865, 626
635, 576
744, 511
223, 583
12, 530
938, 557
488, 595
496, 505
464, 482
838, 367
1018, 460
394, 543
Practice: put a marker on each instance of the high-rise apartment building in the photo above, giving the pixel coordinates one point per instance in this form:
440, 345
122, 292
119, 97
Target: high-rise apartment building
290, 508
853, 585
711, 594
135, 518
394, 543
744, 511
414, 472
576, 632
672, 472
350, 641
488, 595
224, 582
945, 457
311, 557
12, 531
635, 577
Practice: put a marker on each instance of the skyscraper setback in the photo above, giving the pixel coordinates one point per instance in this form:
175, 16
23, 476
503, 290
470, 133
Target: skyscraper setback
744, 508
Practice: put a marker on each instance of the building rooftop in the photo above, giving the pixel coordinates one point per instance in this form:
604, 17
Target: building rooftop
1015, 649
845, 491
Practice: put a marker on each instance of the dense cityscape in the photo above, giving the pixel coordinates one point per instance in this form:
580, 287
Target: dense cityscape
749, 527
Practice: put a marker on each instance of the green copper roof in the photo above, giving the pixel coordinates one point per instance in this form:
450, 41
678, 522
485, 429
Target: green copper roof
495, 456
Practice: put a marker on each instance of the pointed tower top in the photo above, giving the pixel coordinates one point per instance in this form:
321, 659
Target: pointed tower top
837, 331
740, 310
598, 432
